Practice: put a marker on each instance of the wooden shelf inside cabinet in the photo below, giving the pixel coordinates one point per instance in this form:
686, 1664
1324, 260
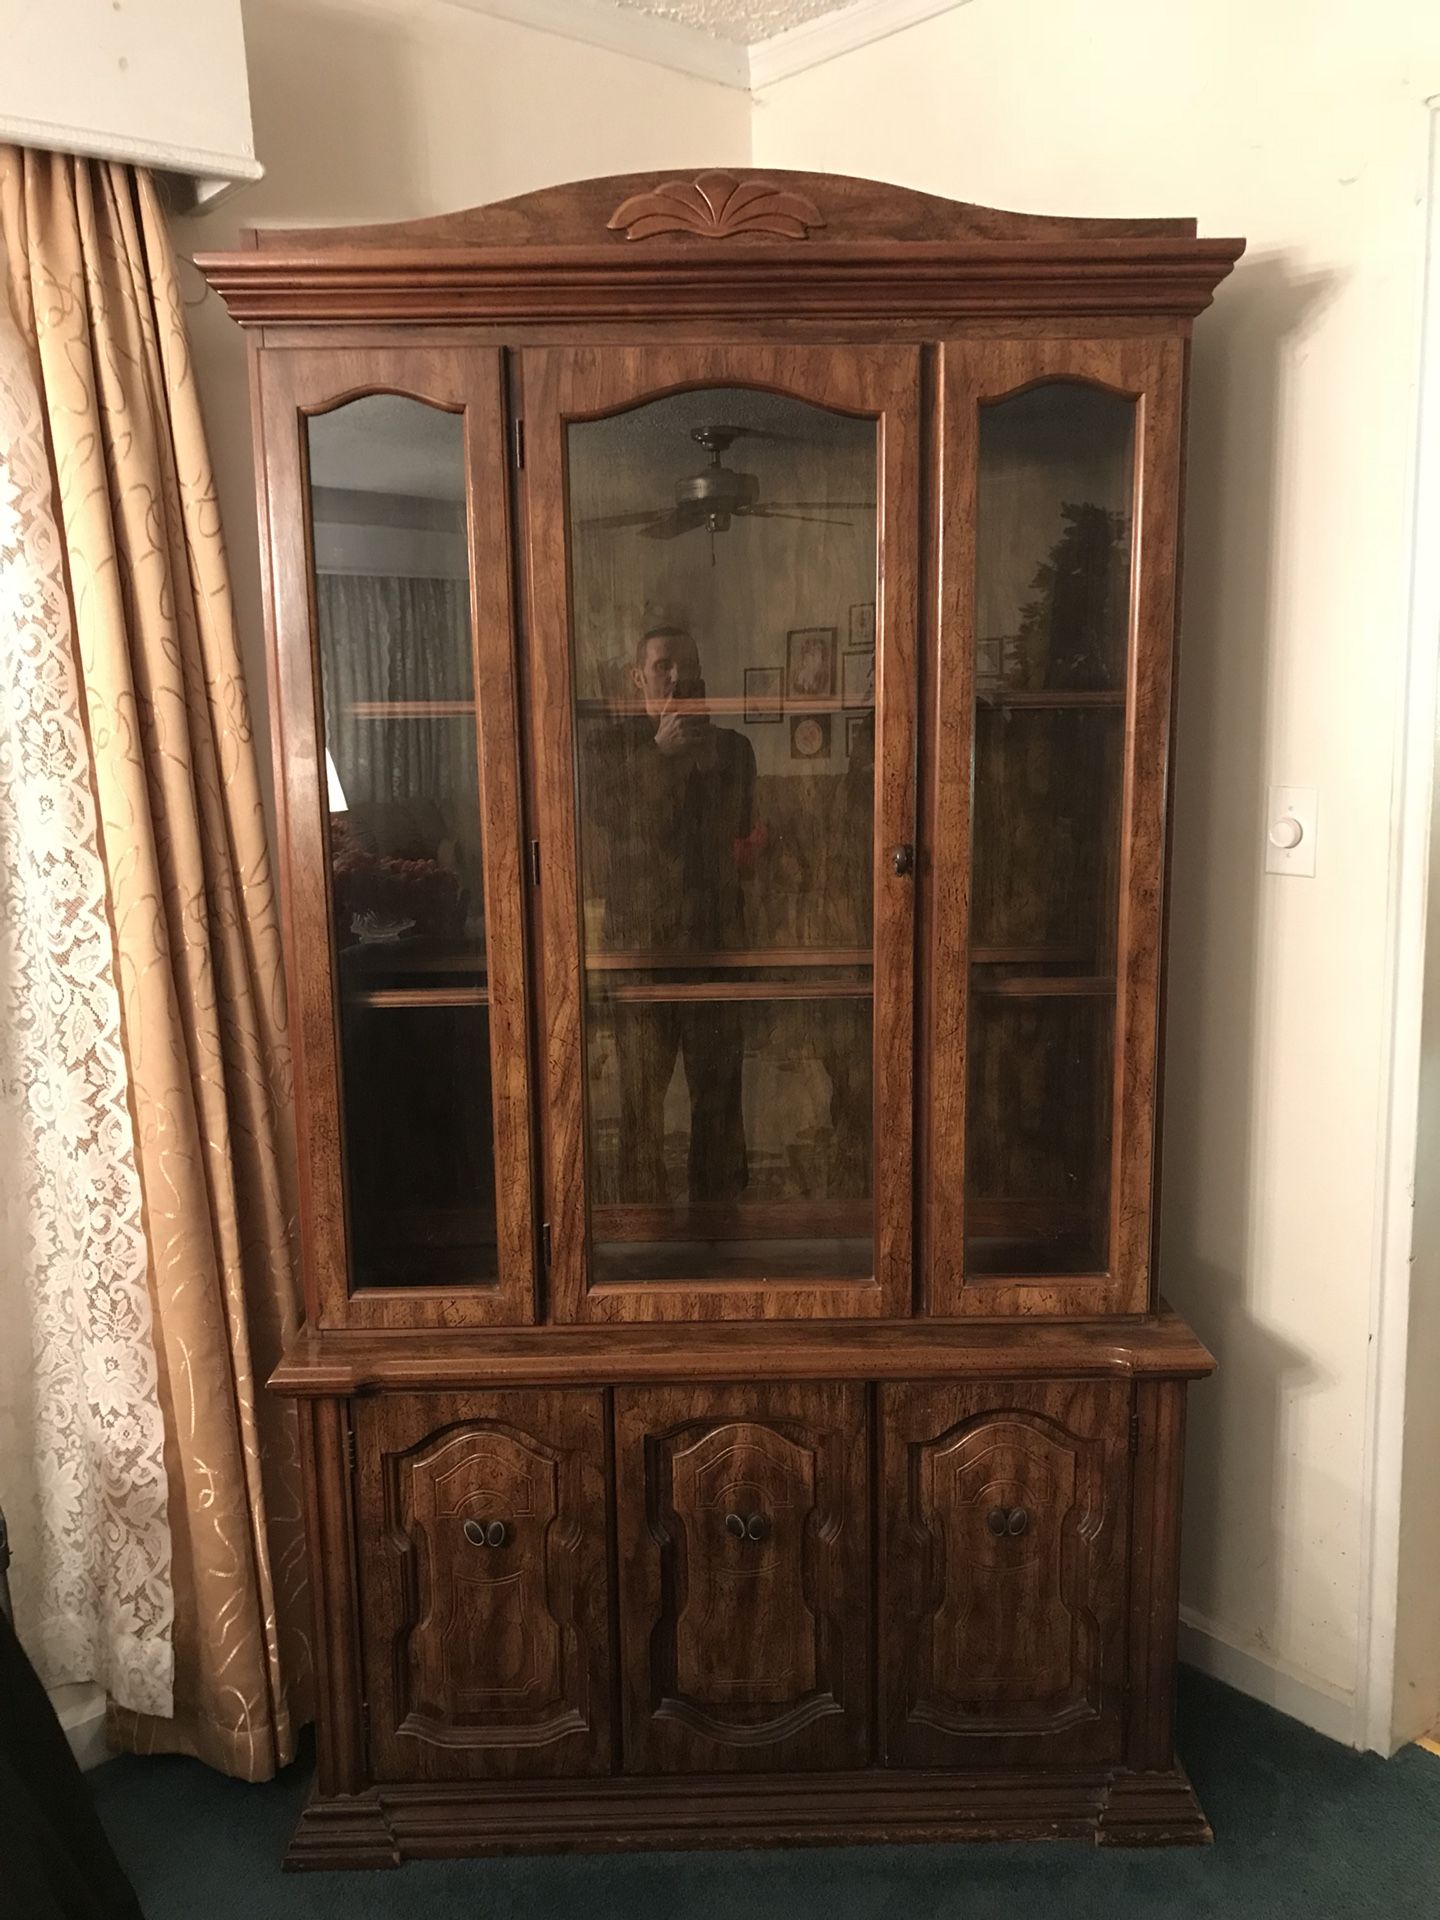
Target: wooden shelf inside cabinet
1053, 987
407, 709
643, 959
1054, 699
735, 1220
666, 992
419, 997
423, 973
813, 963
1033, 956
725, 703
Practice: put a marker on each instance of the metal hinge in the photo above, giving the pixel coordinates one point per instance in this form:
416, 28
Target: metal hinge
365, 1721
518, 438
534, 863
351, 1452
1134, 1433
545, 1247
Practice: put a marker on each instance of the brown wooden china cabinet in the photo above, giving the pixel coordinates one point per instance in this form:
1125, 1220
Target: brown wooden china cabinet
721, 665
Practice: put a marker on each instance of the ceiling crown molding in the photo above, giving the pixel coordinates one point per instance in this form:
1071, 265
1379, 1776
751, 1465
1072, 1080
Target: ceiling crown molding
643, 36
683, 49
848, 28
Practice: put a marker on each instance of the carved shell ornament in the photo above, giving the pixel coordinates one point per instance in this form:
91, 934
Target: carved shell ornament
717, 206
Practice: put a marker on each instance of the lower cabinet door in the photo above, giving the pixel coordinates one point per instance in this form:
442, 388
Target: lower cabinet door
744, 1575
482, 1549
1002, 1572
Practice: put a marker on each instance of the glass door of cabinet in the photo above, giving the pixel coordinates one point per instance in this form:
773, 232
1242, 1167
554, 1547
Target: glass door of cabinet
1057, 608
386, 477
723, 552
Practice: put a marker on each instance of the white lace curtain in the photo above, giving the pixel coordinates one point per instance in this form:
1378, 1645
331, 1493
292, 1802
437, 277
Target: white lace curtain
82, 1467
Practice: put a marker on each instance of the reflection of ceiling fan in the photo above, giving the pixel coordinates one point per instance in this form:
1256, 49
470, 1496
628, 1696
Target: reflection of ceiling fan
719, 494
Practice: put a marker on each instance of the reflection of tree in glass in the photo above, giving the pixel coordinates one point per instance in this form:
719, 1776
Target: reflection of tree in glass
1073, 631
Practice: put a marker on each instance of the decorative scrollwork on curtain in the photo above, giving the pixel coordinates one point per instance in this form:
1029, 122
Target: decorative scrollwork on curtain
84, 1467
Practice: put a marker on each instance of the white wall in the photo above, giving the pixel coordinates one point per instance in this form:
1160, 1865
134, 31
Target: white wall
372, 110
1301, 127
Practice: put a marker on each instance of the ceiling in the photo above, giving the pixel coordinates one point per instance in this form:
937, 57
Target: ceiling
743, 21
747, 44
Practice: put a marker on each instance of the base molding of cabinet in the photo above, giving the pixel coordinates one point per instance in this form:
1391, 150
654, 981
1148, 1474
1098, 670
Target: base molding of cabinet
350, 1831
391, 1824
1152, 1810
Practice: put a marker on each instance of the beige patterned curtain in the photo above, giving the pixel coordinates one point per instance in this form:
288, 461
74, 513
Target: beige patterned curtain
202, 1060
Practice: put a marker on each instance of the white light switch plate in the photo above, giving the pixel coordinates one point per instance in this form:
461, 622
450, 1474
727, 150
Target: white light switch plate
1290, 818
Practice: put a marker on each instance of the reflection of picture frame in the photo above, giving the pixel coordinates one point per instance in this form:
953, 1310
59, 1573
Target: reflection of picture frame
862, 624
860, 737
809, 736
764, 696
810, 664
857, 677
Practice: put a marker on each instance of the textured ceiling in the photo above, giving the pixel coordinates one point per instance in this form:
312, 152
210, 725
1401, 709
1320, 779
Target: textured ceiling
742, 21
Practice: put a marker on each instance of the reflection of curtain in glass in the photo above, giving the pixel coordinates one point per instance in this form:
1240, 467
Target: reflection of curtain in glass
409, 783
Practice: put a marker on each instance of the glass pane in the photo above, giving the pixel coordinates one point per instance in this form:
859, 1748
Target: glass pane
723, 591
1053, 562
392, 597
417, 1139
1038, 1133
1053, 566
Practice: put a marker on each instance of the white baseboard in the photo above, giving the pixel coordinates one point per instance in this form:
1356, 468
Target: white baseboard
80, 1709
1301, 1696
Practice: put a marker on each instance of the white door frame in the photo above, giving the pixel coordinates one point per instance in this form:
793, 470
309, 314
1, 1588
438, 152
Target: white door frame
1379, 1719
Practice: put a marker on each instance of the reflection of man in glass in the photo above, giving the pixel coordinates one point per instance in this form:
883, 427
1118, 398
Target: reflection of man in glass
671, 816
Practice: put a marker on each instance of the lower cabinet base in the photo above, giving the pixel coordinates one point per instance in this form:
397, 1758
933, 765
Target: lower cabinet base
388, 1825
595, 1613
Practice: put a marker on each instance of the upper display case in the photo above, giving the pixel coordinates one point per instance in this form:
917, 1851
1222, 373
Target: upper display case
726, 779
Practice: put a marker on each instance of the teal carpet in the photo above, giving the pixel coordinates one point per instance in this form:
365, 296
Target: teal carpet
1304, 1828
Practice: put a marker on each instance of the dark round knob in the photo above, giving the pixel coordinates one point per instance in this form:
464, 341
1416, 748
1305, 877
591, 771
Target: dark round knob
902, 860
481, 1533
735, 1525
756, 1527
1016, 1522
997, 1520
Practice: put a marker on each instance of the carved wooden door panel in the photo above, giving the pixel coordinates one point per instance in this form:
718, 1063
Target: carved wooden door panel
743, 1576
482, 1568
1002, 1572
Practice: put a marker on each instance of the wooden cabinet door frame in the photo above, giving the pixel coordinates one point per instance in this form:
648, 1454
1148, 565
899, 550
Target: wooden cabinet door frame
532, 1461
976, 373
294, 387
687, 1439
562, 386
947, 1454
